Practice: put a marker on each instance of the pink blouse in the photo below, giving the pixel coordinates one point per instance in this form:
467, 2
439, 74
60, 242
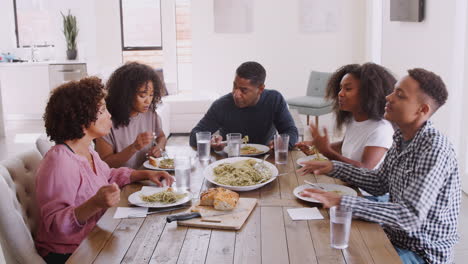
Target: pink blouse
64, 181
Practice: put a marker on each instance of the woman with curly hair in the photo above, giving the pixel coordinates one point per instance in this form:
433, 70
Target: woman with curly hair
134, 90
358, 93
74, 186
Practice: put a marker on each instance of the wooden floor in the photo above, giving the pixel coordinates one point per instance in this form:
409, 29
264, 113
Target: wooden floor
21, 135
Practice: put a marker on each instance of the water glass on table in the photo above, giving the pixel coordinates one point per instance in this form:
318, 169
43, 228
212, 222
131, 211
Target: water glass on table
182, 166
203, 145
233, 144
281, 144
340, 226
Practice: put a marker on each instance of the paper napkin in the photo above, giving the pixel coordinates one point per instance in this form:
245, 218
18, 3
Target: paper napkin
130, 212
305, 213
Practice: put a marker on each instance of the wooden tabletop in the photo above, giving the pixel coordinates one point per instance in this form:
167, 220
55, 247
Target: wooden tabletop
268, 236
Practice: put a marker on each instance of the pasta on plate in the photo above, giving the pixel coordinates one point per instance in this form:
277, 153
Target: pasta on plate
240, 173
246, 150
166, 197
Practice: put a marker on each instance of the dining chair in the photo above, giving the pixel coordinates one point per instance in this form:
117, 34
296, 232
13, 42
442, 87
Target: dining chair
18, 209
314, 102
43, 144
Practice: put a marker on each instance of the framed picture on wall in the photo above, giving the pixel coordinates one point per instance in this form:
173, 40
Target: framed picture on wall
233, 16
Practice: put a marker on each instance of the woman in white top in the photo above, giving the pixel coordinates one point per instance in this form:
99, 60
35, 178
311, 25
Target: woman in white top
358, 92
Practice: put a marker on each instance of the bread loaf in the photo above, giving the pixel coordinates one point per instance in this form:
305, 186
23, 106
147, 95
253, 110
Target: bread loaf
220, 198
225, 200
153, 161
207, 197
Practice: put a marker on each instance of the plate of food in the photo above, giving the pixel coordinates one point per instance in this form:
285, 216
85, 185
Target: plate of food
317, 157
159, 163
328, 187
249, 150
159, 197
239, 174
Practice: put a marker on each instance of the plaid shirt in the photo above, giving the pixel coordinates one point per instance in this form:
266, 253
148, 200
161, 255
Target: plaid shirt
424, 186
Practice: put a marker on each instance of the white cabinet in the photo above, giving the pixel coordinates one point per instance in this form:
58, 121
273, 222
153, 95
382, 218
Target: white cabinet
26, 87
25, 91
63, 73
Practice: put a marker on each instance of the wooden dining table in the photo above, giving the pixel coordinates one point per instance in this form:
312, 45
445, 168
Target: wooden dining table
268, 236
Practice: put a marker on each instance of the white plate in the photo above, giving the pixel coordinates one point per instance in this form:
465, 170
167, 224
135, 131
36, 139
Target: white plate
147, 165
307, 158
135, 198
209, 176
262, 148
327, 186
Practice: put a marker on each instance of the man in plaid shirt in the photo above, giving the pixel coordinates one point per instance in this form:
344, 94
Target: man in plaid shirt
420, 173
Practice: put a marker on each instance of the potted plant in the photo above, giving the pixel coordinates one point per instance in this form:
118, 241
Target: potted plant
70, 30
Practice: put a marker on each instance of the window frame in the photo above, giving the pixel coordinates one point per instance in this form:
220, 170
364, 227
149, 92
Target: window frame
132, 48
15, 14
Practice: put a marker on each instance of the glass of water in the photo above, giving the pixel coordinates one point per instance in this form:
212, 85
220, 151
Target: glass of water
281, 143
233, 144
203, 145
182, 166
340, 226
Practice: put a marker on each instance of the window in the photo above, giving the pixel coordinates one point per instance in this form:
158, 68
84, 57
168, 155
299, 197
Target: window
141, 24
33, 23
182, 74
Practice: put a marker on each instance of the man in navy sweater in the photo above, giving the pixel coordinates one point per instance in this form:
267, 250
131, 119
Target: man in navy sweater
250, 110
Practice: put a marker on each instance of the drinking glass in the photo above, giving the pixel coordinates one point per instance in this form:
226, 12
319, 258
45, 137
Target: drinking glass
233, 144
203, 145
281, 143
340, 226
182, 166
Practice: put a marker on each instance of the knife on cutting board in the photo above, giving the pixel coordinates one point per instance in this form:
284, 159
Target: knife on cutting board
206, 216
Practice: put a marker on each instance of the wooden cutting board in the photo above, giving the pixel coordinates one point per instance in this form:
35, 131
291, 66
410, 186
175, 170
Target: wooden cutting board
232, 220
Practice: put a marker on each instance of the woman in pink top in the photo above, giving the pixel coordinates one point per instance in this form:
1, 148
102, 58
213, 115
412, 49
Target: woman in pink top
74, 186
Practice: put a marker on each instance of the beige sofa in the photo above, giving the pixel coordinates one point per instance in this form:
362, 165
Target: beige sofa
18, 208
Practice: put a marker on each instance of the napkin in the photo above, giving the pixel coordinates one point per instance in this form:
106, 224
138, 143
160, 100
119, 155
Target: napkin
151, 188
305, 213
130, 212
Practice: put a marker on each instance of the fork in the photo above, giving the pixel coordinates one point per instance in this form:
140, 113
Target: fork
164, 154
314, 185
261, 165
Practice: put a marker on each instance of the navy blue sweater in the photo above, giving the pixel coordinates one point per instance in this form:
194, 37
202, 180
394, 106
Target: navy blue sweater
258, 122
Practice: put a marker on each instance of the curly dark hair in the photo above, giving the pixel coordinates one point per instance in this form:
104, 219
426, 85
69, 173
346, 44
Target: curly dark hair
376, 83
72, 107
252, 71
431, 84
122, 88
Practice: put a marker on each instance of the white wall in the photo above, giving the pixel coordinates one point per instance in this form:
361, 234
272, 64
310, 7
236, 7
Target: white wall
276, 43
105, 45
7, 26
427, 44
436, 44
169, 40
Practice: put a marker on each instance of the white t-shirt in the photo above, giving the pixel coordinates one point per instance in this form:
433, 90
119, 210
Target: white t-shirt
369, 133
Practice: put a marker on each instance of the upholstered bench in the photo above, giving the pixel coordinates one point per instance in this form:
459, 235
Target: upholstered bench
18, 216
186, 109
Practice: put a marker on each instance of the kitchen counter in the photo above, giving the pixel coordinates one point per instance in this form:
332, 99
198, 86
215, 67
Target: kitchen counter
36, 80
39, 63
